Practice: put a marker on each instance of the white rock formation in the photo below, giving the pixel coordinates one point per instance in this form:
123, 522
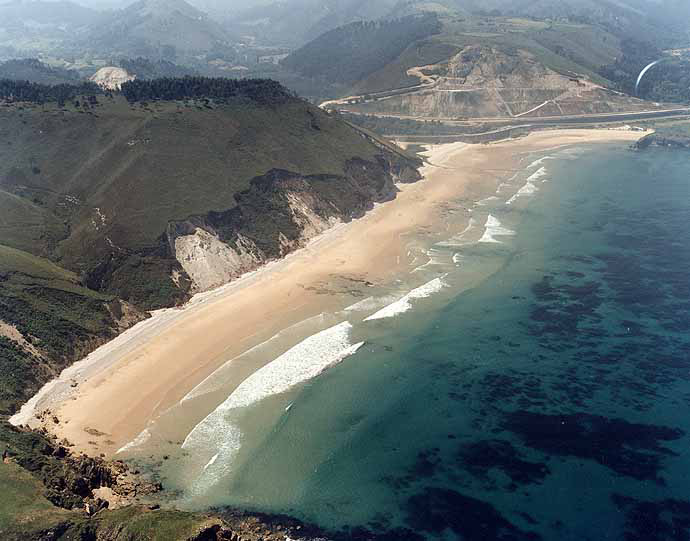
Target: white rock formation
111, 77
210, 262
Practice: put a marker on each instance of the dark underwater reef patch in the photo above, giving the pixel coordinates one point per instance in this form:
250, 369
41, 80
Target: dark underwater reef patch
513, 386
480, 458
435, 510
562, 309
630, 449
665, 520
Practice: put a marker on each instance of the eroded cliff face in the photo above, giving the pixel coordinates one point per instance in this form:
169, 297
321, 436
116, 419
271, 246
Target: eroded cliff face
210, 262
280, 213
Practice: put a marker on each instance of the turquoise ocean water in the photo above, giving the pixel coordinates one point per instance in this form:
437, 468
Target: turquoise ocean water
550, 401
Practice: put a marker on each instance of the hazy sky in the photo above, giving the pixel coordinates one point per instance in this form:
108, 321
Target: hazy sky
234, 4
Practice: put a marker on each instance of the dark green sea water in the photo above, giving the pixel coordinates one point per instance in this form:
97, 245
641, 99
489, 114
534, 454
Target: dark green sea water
552, 401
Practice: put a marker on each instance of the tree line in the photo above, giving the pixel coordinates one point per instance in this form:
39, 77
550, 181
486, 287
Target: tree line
145, 68
265, 91
25, 91
217, 89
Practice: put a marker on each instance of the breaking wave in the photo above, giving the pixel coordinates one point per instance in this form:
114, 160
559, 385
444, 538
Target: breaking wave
141, 439
486, 201
218, 437
215, 382
493, 229
530, 187
459, 239
404, 304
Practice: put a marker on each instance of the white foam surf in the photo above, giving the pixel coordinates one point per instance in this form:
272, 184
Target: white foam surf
215, 382
211, 462
141, 439
436, 257
530, 187
365, 304
539, 162
493, 229
460, 238
219, 435
403, 304
486, 201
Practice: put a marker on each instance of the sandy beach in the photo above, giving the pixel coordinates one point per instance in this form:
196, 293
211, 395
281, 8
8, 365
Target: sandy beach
152, 366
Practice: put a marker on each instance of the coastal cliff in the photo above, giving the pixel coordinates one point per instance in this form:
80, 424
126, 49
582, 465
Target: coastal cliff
279, 213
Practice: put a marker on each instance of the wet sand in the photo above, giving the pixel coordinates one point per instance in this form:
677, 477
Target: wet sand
151, 367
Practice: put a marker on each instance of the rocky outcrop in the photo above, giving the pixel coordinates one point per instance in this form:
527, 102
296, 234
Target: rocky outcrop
280, 213
111, 77
664, 141
210, 262
72, 481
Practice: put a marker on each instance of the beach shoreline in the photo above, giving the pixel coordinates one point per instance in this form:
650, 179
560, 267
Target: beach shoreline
130, 381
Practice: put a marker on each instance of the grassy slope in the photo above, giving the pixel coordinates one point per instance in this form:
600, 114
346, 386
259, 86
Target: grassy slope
30, 290
55, 313
25, 513
23, 223
394, 74
144, 167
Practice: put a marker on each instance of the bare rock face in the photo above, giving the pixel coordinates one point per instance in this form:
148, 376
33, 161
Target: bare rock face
210, 262
111, 78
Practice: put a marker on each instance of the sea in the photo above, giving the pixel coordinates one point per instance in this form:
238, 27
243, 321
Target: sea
529, 381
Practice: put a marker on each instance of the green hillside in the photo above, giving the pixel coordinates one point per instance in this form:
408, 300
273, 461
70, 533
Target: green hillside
351, 53
57, 320
94, 186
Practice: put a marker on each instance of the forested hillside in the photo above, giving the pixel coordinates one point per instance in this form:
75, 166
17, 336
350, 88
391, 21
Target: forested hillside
351, 53
145, 68
13, 91
667, 81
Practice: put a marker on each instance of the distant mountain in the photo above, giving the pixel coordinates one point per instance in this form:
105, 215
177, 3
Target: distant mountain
477, 66
353, 52
46, 13
657, 21
156, 28
35, 71
295, 22
33, 27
